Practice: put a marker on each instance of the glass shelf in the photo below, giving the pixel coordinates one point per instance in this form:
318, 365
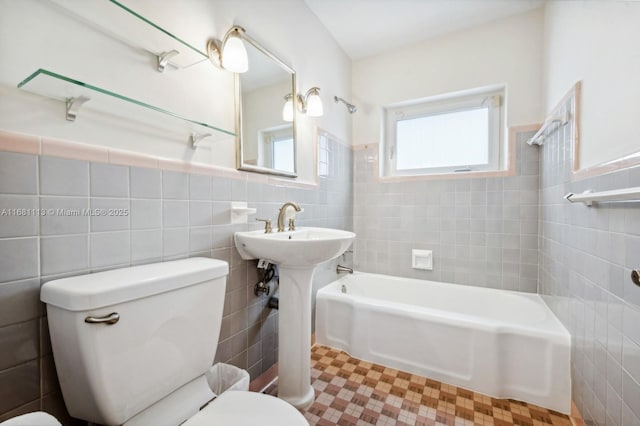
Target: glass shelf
122, 23
75, 93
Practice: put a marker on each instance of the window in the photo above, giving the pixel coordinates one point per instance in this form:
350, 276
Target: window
445, 134
283, 154
277, 148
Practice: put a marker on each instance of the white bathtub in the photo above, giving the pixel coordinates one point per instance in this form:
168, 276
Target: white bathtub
501, 343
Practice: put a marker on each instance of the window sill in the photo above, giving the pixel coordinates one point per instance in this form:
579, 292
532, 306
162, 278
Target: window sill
457, 175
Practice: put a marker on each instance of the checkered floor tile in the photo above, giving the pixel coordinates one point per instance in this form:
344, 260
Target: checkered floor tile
352, 392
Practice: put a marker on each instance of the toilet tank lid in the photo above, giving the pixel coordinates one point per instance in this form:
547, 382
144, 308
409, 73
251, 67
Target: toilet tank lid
107, 288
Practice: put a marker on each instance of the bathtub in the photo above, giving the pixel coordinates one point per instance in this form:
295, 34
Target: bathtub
504, 344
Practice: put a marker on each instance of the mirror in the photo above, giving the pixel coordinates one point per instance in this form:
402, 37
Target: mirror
266, 143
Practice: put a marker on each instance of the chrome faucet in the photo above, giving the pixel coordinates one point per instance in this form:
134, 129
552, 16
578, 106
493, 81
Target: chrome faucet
282, 213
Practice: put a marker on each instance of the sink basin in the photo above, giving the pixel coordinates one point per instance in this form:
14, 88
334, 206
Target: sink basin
297, 253
299, 248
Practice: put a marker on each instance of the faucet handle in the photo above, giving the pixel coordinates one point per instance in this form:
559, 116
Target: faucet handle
267, 225
292, 224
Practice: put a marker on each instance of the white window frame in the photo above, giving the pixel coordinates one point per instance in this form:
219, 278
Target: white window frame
489, 97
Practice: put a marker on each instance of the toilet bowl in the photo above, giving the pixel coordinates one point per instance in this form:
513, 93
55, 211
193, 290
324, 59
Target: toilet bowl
247, 409
133, 347
37, 418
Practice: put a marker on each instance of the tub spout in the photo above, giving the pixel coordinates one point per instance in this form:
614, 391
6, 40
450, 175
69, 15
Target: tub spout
341, 268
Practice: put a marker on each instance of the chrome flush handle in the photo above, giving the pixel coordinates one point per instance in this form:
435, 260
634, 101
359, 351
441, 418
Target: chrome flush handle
110, 319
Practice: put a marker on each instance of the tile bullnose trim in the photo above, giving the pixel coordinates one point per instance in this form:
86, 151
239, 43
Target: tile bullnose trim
74, 150
36, 145
20, 142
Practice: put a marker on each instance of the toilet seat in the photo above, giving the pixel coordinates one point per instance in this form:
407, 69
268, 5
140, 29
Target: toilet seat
241, 408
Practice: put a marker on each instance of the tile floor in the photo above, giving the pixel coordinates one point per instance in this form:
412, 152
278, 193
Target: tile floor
353, 392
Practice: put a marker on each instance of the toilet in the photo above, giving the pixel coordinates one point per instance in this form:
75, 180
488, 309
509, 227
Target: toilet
134, 347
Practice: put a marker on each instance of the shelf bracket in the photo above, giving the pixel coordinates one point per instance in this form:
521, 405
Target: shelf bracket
73, 106
196, 138
164, 57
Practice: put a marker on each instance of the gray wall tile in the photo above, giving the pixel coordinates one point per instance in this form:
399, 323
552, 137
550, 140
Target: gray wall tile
64, 254
19, 385
175, 185
18, 216
200, 187
108, 180
146, 214
200, 213
65, 215
582, 258
175, 242
220, 189
175, 213
463, 215
145, 183
200, 239
18, 258
146, 245
61, 176
19, 301
18, 173
109, 249
193, 203
19, 343
107, 217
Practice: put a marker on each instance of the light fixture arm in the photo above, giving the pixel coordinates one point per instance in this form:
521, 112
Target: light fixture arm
302, 99
215, 47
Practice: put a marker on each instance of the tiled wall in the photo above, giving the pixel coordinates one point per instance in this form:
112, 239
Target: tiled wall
172, 215
482, 231
586, 256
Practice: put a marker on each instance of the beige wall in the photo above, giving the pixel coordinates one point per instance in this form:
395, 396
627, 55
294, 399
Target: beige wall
40, 34
505, 51
596, 42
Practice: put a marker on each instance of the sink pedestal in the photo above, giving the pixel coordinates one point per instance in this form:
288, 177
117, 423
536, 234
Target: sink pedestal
294, 336
297, 253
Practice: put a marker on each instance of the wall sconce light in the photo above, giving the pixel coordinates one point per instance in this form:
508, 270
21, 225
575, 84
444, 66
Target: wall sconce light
287, 109
310, 103
229, 54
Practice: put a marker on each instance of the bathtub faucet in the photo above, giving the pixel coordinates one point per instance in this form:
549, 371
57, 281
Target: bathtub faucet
341, 268
283, 212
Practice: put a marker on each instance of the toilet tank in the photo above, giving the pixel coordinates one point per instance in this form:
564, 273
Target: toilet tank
166, 335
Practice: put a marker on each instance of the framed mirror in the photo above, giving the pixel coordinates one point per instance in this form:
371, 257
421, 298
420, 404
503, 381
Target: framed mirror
266, 143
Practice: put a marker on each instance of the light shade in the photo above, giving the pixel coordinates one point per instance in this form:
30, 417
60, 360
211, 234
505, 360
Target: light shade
287, 109
314, 105
234, 55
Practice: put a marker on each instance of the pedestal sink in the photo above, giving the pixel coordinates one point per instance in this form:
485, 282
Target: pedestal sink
297, 253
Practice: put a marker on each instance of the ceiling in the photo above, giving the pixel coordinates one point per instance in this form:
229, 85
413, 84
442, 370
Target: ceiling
368, 27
